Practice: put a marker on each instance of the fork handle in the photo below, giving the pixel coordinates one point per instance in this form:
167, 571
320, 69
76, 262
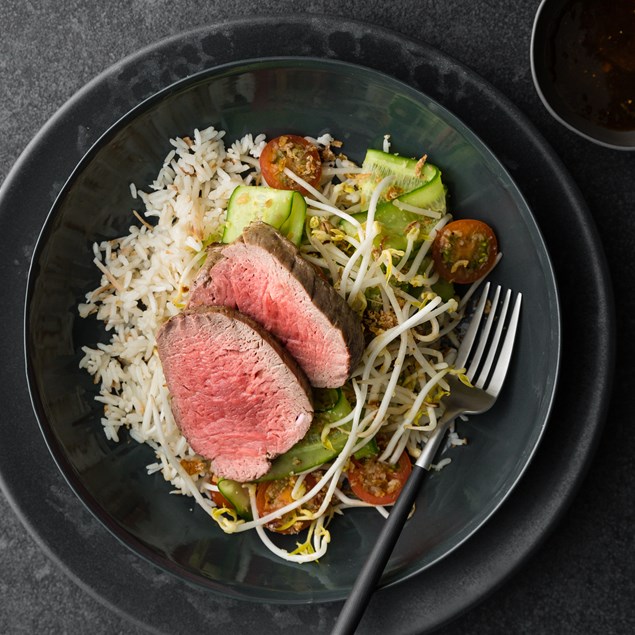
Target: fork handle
368, 577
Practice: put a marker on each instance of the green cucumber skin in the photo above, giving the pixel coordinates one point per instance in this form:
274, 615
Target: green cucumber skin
444, 289
310, 451
236, 494
403, 170
390, 162
395, 221
283, 209
428, 193
325, 399
293, 227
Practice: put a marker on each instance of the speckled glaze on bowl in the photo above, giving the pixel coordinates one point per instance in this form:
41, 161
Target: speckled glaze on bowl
306, 96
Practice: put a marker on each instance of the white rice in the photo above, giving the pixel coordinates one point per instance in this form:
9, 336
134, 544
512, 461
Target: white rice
145, 278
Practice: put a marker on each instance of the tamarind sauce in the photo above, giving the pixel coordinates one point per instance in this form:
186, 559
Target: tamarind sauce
591, 56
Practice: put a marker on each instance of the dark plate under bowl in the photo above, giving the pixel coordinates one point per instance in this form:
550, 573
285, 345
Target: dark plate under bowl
307, 96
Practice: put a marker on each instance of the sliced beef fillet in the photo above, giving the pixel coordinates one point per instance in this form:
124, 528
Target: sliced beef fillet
238, 397
263, 275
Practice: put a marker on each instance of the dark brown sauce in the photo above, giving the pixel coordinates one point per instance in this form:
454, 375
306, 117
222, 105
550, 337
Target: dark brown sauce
591, 57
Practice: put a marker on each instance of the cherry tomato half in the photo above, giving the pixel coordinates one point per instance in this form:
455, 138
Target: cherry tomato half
376, 482
464, 250
273, 495
293, 152
220, 500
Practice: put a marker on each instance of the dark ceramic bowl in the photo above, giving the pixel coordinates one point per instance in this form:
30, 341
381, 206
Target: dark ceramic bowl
576, 104
307, 96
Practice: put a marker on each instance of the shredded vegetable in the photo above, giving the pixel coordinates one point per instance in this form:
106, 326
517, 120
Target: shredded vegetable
398, 385
395, 393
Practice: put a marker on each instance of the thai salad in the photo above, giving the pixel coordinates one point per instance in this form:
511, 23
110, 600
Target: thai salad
379, 262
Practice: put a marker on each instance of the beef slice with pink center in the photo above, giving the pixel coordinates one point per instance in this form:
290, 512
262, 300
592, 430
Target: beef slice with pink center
238, 397
264, 276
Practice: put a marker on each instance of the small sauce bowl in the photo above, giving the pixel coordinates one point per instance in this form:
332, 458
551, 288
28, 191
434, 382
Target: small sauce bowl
583, 67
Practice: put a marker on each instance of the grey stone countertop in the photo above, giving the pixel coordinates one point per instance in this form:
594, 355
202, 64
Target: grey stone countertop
582, 578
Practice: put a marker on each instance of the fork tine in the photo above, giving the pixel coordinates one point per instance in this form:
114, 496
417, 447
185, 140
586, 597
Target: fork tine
493, 345
476, 360
500, 371
470, 334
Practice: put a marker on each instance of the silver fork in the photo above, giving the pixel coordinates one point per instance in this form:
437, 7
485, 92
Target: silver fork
488, 365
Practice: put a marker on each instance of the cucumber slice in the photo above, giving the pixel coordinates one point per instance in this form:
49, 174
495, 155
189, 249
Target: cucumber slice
293, 227
395, 221
444, 289
311, 452
381, 164
283, 209
325, 399
237, 495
